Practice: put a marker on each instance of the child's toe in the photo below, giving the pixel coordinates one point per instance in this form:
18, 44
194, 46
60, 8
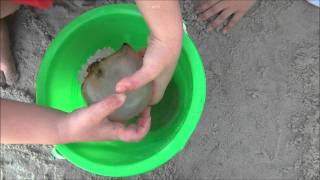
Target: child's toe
10, 72
11, 77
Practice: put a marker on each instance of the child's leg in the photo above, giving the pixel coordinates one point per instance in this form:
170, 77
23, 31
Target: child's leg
7, 64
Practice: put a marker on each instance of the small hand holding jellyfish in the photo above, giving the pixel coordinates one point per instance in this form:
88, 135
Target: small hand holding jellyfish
93, 124
161, 56
42, 125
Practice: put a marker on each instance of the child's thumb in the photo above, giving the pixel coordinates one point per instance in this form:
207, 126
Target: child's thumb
102, 109
140, 78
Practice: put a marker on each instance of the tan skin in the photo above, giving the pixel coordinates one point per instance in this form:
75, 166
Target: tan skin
162, 54
231, 11
7, 65
30, 124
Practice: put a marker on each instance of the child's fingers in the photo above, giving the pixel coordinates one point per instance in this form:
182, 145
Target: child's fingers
118, 131
212, 11
138, 79
206, 5
136, 132
111, 130
144, 115
153, 64
98, 111
220, 19
234, 20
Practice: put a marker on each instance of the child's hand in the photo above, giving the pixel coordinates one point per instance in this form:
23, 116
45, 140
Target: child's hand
159, 62
90, 124
160, 59
225, 9
39, 125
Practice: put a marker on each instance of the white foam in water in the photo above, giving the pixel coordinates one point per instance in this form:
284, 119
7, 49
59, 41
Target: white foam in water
98, 56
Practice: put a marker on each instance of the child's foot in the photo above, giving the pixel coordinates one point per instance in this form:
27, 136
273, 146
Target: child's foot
225, 10
7, 7
7, 64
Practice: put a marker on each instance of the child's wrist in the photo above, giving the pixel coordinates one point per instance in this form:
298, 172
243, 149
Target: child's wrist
63, 131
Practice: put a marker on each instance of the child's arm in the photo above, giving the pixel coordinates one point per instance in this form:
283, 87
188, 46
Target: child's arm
30, 124
165, 22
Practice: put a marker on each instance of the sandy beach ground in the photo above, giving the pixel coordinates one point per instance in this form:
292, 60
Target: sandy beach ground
261, 119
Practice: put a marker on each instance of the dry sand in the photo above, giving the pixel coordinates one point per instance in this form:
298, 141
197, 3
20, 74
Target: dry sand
261, 119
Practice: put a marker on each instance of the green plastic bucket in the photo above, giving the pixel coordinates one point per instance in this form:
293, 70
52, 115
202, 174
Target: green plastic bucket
173, 119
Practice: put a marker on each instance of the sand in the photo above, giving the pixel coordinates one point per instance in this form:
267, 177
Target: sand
261, 119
